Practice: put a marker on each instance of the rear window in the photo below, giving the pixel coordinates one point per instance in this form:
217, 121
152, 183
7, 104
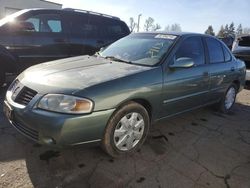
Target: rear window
244, 41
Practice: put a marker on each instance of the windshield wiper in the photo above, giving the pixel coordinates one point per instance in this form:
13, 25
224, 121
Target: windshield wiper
113, 58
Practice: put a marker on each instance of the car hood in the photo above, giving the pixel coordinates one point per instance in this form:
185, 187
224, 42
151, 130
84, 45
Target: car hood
75, 73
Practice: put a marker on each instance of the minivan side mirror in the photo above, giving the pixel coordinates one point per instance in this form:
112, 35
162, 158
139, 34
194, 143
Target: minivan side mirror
183, 62
25, 26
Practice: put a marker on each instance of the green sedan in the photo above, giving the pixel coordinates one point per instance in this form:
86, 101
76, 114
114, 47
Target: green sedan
113, 97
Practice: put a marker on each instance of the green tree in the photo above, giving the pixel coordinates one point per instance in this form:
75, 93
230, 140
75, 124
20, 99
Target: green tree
226, 31
231, 30
210, 30
221, 32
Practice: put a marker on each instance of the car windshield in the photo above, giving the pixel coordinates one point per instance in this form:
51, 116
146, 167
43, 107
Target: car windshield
11, 17
143, 49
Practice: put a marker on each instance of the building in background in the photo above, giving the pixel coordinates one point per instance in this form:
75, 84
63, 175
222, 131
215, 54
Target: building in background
10, 6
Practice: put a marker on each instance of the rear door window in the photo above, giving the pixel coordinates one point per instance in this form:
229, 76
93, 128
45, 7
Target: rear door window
215, 51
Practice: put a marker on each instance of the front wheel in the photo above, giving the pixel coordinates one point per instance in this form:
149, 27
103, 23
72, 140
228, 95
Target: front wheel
126, 130
228, 99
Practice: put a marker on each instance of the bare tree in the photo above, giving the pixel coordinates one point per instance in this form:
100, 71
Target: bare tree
246, 30
174, 27
132, 24
156, 27
149, 24
239, 30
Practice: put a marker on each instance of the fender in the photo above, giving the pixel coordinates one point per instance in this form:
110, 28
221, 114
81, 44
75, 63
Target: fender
8, 62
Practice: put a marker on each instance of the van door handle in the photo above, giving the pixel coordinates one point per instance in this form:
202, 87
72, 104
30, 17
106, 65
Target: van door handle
232, 69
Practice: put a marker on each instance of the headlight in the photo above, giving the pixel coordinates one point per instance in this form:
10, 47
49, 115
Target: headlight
65, 104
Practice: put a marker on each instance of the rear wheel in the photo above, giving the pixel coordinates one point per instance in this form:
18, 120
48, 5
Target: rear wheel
228, 99
126, 130
2, 77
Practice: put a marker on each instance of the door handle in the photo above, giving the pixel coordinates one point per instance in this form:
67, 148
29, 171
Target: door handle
232, 69
60, 40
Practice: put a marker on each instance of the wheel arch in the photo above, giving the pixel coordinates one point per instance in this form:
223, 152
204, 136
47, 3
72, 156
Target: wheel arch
144, 102
237, 83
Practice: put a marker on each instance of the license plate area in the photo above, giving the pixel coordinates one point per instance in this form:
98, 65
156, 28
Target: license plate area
8, 111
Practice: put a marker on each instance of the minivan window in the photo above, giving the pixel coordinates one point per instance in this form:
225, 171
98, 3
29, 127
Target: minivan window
48, 23
12, 17
215, 51
192, 48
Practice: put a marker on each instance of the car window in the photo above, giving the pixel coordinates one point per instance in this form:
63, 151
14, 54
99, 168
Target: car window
112, 28
143, 49
215, 51
48, 23
77, 23
227, 54
192, 48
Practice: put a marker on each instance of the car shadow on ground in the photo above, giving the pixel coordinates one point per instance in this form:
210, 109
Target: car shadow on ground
199, 148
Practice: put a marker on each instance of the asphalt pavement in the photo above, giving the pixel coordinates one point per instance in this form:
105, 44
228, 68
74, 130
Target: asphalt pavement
202, 148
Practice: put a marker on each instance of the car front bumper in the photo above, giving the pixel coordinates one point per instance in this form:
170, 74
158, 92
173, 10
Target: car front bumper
57, 129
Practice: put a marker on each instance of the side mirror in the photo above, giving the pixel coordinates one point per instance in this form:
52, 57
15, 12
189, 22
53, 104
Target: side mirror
183, 62
26, 26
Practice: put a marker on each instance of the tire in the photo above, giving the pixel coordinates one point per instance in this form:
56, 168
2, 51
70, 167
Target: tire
228, 100
126, 130
2, 78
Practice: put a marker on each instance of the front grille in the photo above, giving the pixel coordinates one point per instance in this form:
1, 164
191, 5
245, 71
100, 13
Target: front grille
31, 133
25, 96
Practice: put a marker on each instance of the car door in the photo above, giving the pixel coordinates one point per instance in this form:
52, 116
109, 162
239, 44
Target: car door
221, 68
46, 40
185, 88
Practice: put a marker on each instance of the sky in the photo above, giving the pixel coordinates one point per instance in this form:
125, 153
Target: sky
193, 16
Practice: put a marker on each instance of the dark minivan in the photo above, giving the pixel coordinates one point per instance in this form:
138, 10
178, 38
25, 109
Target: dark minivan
33, 36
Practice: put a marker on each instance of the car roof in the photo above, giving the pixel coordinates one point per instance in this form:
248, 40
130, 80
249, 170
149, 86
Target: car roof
176, 33
76, 10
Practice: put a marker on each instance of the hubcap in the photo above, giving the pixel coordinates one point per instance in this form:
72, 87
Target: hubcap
129, 131
230, 97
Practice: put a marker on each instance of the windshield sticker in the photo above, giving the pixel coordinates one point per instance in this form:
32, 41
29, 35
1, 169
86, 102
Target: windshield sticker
163, 36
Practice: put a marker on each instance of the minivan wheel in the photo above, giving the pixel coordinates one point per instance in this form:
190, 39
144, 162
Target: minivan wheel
126, 130
228, 99
2, 78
